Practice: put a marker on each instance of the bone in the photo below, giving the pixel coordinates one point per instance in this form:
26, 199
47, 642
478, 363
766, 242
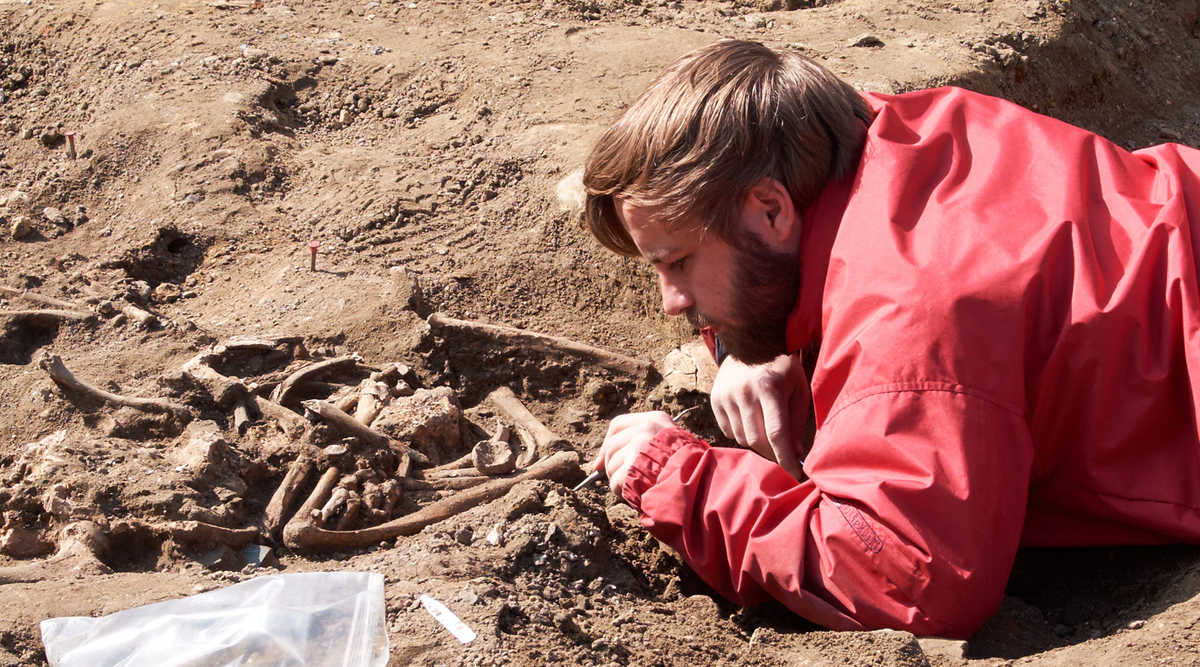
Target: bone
46, 315
350, 517
542, 440
536, 341
494, 456
444, 483
205, 533
452, 472
241, 416
224, 390
351, 426
372, 398
392, 492
145, 318
291, 423
303, 536
285, 496
282, 393
53, 365
336, 499
38, 298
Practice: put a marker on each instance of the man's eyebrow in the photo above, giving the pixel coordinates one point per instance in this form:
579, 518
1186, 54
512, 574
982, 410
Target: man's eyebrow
660, 255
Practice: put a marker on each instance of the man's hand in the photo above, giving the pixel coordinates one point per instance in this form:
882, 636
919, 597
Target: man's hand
627, 436
764, 407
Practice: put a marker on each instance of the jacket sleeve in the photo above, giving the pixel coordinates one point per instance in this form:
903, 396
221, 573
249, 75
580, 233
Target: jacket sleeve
910, 518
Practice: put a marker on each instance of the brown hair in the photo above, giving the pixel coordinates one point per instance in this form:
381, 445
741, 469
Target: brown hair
718, 121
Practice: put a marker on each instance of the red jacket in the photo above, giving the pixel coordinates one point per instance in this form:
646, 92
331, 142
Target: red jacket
1009, 330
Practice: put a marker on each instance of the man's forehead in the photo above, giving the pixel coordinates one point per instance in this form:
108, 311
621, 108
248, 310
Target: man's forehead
655, 242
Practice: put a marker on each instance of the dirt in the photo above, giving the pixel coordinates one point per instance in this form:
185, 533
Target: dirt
431, 149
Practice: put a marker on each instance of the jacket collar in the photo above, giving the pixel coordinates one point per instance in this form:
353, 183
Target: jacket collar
821, 223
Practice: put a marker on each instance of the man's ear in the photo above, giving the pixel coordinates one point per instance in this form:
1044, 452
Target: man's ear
768, 213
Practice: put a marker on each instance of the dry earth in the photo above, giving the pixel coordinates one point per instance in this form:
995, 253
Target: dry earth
423, 144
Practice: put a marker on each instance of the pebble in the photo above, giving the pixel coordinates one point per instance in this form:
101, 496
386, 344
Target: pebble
27, 133
55, 216
1136, 625
464, 536
866, 40
254, 55
20, 227
51, 136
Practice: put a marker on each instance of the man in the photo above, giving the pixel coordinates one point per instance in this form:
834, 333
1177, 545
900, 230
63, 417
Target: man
1000, 314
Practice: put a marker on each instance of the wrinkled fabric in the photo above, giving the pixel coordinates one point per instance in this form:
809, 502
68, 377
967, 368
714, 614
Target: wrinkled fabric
1008, 317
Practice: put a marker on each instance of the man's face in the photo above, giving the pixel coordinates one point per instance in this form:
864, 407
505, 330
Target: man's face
743, 291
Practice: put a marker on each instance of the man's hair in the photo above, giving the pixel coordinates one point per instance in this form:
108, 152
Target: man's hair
718, 121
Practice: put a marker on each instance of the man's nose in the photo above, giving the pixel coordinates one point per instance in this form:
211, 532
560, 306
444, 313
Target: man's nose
676, 299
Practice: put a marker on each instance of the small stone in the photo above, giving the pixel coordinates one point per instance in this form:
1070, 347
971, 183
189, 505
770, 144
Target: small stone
344, 117
55, 217
328, 59
20, 227
468, 596
51, 136
254, 55
167, 293
495, 537
866, 40
27, 133
464, 536
1136, 625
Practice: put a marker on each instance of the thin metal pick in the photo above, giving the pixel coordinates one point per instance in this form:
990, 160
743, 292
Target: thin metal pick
600, 473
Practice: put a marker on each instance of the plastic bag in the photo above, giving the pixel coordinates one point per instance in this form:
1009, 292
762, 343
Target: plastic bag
317, 619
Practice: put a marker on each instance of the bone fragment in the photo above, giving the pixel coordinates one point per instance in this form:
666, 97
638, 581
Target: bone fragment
351, 426
494, 456
285, 496
536, 341
145, 318
224, 390
46, 315
53, 365
283, 392
372, 495
38, 298
392, 491
448, 473
241, 416
350, 517
291, 423
543, 440
372, 398
305, 537
444, 483
206, 533
336, 499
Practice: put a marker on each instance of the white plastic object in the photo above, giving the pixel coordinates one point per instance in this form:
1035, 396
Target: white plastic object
448, 620
314, 619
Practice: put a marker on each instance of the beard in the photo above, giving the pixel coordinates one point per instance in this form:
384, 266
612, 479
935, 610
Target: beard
765, 285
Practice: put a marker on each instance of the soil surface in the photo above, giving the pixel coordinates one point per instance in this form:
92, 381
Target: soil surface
163, 170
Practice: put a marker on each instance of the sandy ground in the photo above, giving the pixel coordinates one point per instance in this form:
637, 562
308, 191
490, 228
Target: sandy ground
430, 147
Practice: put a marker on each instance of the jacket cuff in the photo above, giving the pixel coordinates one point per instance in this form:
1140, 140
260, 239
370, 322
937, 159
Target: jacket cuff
644, 471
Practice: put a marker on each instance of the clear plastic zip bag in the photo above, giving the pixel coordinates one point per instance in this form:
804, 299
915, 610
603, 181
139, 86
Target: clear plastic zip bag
316, 619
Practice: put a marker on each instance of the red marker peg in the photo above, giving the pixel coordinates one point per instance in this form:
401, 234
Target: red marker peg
312, 247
